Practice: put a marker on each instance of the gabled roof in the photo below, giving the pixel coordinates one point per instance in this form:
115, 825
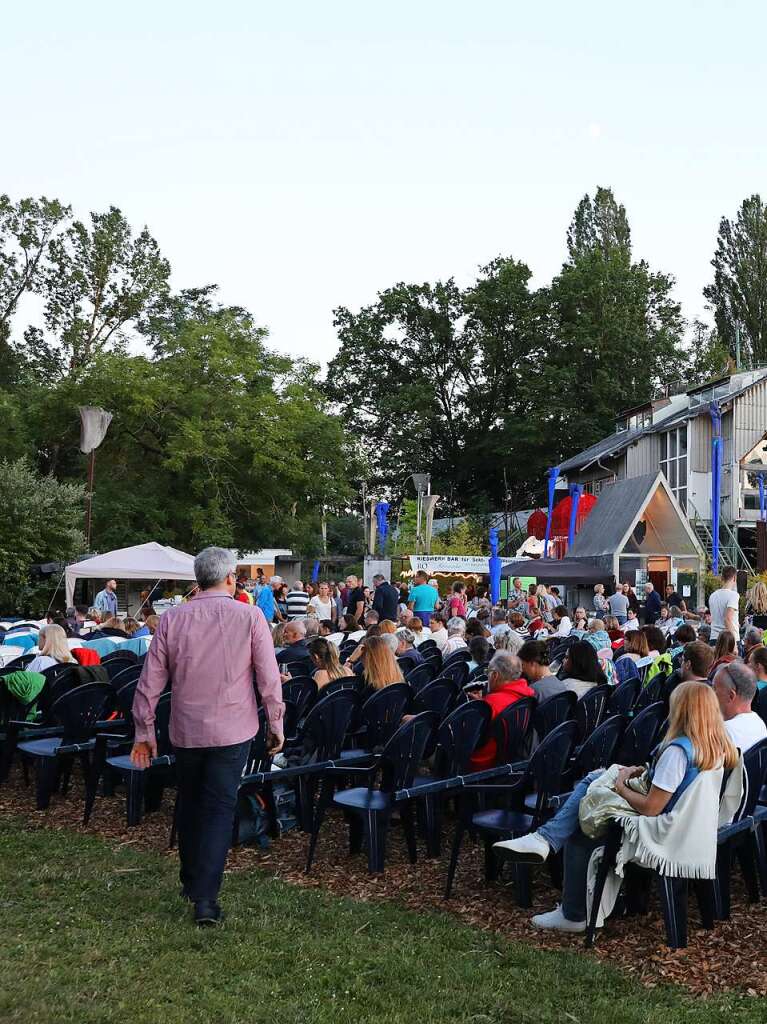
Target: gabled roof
610, 526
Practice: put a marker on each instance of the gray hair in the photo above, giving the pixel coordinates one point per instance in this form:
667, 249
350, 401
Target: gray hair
456, 627
740, 678
499, 615
753, 635
508, 640
297, 626
312, 626
506, 664
392, 641
407, 636
213, 565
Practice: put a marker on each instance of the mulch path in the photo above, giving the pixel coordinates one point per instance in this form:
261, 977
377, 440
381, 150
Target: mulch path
731, 957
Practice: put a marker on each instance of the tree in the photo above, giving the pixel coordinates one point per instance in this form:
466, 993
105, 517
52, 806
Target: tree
617, 330
40, 521
738, 293
26, 228
98, 283
709, 356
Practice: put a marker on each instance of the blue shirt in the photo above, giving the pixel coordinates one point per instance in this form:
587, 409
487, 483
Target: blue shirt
265, 602
424, 597
106, 601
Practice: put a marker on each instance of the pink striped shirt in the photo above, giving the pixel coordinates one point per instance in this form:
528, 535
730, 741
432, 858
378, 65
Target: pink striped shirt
210, 649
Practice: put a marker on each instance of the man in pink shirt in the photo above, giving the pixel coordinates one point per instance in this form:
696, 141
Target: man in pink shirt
209, 650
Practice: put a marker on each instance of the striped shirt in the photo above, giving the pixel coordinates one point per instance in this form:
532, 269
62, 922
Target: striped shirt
298, 602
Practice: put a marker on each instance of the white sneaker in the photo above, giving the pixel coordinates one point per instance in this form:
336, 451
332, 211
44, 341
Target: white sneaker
557, 921
529, 849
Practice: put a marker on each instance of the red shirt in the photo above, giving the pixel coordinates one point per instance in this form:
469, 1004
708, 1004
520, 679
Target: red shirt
499, 700
242, 597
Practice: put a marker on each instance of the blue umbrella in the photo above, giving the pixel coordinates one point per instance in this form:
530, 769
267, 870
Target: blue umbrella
552, 474
494, 568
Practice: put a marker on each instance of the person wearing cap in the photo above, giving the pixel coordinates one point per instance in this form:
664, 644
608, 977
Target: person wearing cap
266, 600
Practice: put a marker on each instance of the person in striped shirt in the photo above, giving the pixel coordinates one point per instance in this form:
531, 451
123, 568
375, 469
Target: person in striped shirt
298, 602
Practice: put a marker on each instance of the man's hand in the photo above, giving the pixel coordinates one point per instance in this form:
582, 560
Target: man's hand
143, 752
274, 744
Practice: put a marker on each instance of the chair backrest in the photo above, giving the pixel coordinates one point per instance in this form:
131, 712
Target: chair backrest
458, 736
755, 777
297, 669
302, 692
641, 735
437, 696
759, 703
21, 662
512, 728
116, 663
558, 648
458, 671
480, 672
23, 627
547, 765
337, 685
162, 725
327, 723
599, 749
553, 712
128, 657
382, 713
626, 669
11, 708
258, 759
402, 755
113, 631
420, 676
79, 710
427, 645
590, 710
69, 679
624, 696
129, 674
463, 654
124, 699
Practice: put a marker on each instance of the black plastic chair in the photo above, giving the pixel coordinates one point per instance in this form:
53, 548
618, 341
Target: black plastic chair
458, 671
129, 657
553, 712
370, 808
420, 676
739, 838
512, 729
759, 703
302, 693
641, 736
380, 716
438, 696
20, 663
542, 777
590, 710
129, 674
598, 751
624, 697
79, 713
427, 646
337, 685
652, 693
117, 663
463, 654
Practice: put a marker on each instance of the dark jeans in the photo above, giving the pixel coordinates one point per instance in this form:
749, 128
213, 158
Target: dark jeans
208, 779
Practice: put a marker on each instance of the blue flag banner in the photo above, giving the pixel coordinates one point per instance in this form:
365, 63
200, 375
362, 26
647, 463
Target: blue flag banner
494, 568
575, 497
552, 474
316, 570
382, 523
716, 482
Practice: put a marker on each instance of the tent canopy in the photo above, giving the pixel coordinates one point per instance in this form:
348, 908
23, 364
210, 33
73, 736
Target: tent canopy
150, 561
556, 570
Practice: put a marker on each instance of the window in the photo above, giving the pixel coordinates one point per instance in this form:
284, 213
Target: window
673, 462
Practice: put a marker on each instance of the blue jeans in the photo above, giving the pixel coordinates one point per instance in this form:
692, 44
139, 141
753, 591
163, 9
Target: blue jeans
564, 830
621, 619
208, 781
425, 617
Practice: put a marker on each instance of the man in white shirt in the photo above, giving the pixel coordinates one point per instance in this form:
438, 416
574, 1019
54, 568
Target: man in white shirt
631, 623
735, 686
438, 633
723, 604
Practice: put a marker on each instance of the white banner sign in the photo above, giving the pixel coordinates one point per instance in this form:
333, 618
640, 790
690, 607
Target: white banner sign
450, 563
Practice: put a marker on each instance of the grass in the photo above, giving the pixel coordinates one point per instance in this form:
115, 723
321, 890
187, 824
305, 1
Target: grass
96, 933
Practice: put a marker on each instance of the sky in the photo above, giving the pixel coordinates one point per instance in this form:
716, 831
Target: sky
305, 156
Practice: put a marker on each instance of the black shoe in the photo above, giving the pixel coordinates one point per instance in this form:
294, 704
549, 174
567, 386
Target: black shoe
185, 894
207, 913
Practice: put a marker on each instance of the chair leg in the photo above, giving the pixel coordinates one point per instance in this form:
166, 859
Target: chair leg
759, 841
432, 823
744, 851
408, 827
134, 807
174, 825
704, 891
722, 883
673, 893
326, 795
523, 885
376, 827
92, 783
609, 853
462, 823
46, 770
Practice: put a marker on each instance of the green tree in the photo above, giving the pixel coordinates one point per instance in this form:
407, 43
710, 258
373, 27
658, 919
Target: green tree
738, 293
709, 356
26, 228
97, 285
617, 331
40, 521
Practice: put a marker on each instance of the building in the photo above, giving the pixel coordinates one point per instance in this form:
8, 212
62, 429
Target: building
673, 436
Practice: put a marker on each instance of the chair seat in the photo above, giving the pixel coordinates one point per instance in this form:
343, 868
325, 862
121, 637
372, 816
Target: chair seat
354, 752
41, 748
760, 813
363, 799
735, 829
503, 822
123, 763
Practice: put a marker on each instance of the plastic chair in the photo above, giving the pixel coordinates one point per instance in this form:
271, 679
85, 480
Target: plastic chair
742, 836
624, 696
116, 663
652, 693
129, 674
598, 751
463, 654
381, 715
512, 728
437, 696
641, 736
542, 777
302, 692
590, 710
420, 676
129, 657
79, 714
553, 712
370, 808
458, 671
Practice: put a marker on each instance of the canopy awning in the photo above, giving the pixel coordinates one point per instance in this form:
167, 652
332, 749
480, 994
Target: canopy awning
150, 561
556, 570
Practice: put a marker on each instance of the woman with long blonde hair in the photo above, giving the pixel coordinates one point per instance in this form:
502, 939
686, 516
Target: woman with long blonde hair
381, 668
696, 741
756, 609
327, 662
54, 650
387, 626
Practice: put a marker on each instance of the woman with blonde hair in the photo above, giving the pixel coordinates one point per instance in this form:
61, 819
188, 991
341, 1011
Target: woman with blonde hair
756, 609
600, 601
327, 662
696, 741
635, 646
380, 665
387, 626
54, 650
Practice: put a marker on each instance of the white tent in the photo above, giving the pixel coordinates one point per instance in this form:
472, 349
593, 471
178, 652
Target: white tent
142, 562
